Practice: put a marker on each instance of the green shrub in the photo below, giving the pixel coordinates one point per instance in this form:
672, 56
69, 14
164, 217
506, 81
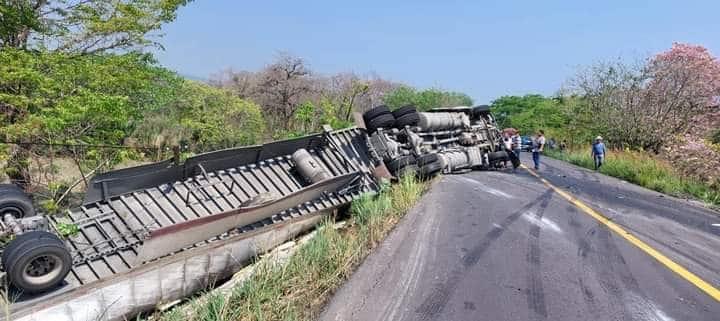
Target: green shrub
425, 99
203, 118
715, 137
50, 206
67, 229
87, 98
562, 118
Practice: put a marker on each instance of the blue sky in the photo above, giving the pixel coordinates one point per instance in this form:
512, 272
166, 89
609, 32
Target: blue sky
483, 48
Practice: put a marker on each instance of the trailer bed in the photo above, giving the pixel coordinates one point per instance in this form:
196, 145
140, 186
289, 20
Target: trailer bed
112, 228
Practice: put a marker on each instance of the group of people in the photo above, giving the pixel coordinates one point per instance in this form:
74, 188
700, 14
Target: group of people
513, 142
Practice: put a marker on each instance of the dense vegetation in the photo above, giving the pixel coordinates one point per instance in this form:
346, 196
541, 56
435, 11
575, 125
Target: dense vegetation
425, 99
73, 72
76, 83
295, 100
563, 118
665, 108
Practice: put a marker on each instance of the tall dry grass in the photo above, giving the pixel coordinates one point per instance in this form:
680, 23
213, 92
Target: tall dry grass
642, 169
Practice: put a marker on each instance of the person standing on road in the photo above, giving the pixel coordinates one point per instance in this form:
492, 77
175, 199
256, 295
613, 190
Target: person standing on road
598, 152
538, 146
507, 144
516, 143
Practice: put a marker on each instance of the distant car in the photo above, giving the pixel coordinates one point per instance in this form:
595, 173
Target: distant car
526, 143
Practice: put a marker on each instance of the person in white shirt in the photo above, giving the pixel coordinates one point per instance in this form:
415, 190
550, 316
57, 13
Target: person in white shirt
507, 143
538, 146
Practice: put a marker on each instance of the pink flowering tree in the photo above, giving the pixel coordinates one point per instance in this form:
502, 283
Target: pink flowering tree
646, 104
684, 82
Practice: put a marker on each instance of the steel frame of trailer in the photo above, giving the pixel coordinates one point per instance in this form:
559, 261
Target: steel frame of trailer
122, 208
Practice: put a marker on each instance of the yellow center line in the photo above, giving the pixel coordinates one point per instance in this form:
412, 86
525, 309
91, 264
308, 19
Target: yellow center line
664, 260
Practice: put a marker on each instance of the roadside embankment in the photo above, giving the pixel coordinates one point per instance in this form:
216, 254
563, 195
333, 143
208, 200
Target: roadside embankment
298, 288
644, 170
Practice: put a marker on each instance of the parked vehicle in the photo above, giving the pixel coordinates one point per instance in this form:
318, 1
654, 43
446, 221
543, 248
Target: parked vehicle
526, 143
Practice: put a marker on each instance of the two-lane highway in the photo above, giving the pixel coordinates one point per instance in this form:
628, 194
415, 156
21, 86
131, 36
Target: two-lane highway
508, 246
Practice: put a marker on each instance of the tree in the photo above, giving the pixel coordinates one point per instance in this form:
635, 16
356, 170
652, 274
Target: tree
683, 82
401, 96
306, 115
425, 99
57, 98
51, 97
17, 20
82, 26
644, 105
215, 118
280, 88
505, 107
347, 89
562, 117
241, 83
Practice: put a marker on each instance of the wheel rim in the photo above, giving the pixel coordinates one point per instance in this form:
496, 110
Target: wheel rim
42, 269
14, 211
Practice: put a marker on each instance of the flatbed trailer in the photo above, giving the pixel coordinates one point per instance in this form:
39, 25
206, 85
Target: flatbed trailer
123, 208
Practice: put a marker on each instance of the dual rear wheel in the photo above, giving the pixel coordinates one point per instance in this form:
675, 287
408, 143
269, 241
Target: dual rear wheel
424, 167
34, 261
382, 117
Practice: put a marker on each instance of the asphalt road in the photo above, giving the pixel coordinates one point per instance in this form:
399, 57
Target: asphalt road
504, 246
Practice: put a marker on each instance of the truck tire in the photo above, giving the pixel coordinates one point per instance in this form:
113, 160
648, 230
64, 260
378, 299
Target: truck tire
400, 162
514, 159
410, 119
14, 201
37, 261
498, 156
374, 112
21, 239
430, 170
8, 186
381, 121
404, 110
479, 111
427, 159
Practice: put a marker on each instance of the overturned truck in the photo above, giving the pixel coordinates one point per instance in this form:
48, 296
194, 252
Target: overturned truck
441, 140
154, 234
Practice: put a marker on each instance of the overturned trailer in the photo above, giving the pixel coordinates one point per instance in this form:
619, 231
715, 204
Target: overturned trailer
157, 233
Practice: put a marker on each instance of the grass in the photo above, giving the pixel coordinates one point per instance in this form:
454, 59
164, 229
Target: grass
298, 289
644, 170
